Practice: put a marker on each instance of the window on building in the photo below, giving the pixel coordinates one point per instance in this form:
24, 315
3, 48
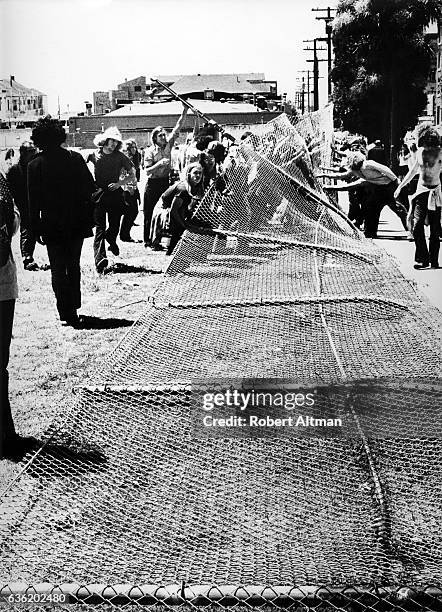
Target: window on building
137, 88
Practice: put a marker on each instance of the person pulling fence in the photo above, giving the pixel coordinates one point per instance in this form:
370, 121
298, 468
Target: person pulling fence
426, 202
157, 163
381, 183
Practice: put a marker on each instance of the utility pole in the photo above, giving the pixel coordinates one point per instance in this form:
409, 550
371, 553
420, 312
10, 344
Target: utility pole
315, 61
304, 91
300, 94
328, 30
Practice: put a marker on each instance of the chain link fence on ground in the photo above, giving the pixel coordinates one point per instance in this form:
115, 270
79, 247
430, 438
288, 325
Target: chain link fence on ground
124, 505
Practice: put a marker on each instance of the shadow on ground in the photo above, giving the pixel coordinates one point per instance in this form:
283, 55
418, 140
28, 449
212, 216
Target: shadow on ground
65, 453
89, 322
392, 237
83, 457
122, 268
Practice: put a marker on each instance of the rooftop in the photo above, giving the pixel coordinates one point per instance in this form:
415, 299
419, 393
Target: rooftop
14, 87
174, 108
226, 83
243, 76
168, 79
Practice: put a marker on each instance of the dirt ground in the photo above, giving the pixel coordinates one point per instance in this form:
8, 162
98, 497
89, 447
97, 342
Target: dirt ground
47, 359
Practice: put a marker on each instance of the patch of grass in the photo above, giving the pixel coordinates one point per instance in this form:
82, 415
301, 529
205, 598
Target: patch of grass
47, 360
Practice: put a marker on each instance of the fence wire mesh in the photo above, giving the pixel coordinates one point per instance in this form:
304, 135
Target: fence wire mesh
123, 506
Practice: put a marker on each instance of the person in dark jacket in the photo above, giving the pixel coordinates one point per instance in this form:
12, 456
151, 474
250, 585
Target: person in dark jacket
113, 170
17, 177
59, 190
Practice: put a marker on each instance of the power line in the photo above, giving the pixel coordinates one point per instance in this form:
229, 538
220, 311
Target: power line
328, 39
315, 61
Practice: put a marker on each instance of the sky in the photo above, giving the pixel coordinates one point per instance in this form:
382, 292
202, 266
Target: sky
70, 48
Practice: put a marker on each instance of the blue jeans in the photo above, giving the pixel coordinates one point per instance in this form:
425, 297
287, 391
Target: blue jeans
110, 208
154, 190
130, 214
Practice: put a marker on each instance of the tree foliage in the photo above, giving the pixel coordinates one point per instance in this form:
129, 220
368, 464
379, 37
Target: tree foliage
382, 62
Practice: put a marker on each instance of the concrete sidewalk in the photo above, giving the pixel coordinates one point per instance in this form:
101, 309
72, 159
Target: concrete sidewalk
393, 239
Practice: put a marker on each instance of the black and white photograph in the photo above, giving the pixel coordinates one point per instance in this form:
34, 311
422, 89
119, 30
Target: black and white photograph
220, 305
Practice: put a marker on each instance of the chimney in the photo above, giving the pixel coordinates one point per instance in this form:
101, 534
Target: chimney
11, 79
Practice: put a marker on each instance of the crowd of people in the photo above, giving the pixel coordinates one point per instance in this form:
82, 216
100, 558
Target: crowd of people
416, 199
51, 193
170, 195
58, 198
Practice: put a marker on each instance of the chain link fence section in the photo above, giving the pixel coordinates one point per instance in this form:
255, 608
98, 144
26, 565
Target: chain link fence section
182, 597
123, 506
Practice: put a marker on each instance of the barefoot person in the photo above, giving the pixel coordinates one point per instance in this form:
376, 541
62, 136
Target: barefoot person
426, 202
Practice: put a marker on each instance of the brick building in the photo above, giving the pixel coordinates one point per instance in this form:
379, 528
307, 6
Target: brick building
127, 92
20, 106
244, 87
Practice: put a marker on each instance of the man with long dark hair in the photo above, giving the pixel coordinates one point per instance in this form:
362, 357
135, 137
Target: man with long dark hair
59, 188
157, 163
110, 166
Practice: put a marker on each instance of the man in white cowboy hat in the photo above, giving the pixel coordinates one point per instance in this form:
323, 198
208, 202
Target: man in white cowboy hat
109, 199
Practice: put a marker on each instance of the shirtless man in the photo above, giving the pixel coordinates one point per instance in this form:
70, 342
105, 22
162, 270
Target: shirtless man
426, 202
380, 183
